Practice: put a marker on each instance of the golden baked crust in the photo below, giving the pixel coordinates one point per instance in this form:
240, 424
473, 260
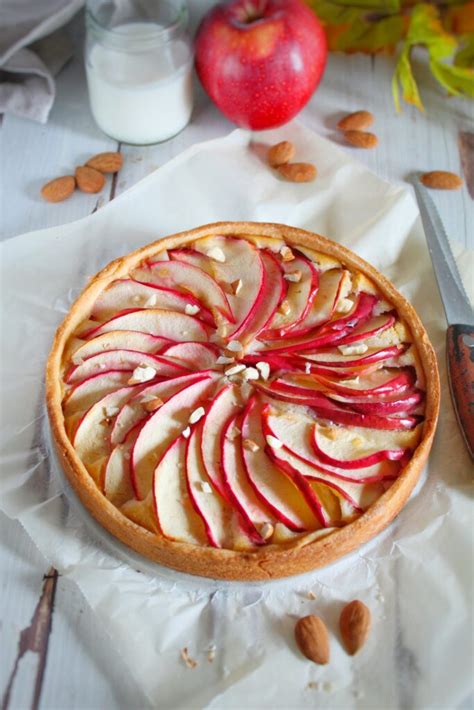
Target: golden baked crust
271, 561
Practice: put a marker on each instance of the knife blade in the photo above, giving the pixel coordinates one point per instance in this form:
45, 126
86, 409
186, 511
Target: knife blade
459, 315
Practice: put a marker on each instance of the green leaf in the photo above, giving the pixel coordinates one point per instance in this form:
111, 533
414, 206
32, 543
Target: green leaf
371, 37
456, 80
383, 6
425, 29
352, 28
465, 55
404, 76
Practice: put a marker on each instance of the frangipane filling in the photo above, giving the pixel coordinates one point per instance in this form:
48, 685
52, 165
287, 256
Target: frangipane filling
239, 392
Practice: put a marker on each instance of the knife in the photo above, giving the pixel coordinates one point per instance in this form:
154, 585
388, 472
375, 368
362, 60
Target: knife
459, 314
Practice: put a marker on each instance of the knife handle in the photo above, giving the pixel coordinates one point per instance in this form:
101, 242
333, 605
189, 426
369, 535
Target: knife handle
460, 355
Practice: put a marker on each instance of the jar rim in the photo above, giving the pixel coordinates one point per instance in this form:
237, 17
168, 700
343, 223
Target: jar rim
162, 32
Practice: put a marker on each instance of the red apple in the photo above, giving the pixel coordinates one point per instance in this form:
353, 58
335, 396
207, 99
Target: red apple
260, 60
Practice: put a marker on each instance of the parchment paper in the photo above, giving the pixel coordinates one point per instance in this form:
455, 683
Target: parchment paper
416, 577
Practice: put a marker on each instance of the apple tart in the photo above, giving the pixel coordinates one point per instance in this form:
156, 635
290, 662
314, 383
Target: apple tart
242, 400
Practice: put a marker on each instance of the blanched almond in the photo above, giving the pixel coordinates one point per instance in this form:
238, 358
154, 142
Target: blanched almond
356, 121
297, 172
59, 189
89, 179
106, 162
281, 153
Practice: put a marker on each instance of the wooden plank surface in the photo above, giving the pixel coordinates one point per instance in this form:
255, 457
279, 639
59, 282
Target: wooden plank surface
53, 653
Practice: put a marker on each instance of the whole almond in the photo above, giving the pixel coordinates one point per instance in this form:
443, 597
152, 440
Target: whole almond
361, 139
442, 180
357, 121
281, 153
59, 189
297, 172
89, 179
312, 638
106, 162
354, 623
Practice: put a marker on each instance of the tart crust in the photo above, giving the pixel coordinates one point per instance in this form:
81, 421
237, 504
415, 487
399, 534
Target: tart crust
271, 561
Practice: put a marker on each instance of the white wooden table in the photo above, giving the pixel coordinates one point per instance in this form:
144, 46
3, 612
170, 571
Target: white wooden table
54, 656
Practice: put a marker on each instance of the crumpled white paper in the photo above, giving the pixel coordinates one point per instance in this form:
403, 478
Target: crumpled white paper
415, 577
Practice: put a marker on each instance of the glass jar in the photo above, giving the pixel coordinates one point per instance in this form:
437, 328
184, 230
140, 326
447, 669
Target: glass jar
139, 68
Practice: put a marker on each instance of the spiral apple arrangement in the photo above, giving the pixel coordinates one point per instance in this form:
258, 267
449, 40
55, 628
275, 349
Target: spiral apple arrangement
236, 392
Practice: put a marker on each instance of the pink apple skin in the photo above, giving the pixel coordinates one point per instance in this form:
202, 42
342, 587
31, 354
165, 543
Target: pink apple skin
126, 360
342, 473
362, 462
339, 414
281, 363
269, 298
332, 337
293, 473
304, 265
293, 524
305, 487
359, 314
398, 384
406, 404
255, 305
260, 61
385, 354
192, 441
312, 321
235, 501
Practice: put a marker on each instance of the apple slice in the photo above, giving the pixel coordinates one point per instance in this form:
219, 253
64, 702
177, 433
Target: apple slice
119, 340
346, 336
117, 483
86, 393
360, 313
135, 410
309, 367
272, 293
91, 439
367, 330
126, 360
404, 404
294, 458
298, 470
121, 293
331, 284
334, 358
332, 331
173, 326
297, 435
338, 450
195, 356
225, 404
240, 492
182, 276
376, 384
161, 428
176, 515
279, 494
300, 296
216, 514
242, 264
195, 258
326, 408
